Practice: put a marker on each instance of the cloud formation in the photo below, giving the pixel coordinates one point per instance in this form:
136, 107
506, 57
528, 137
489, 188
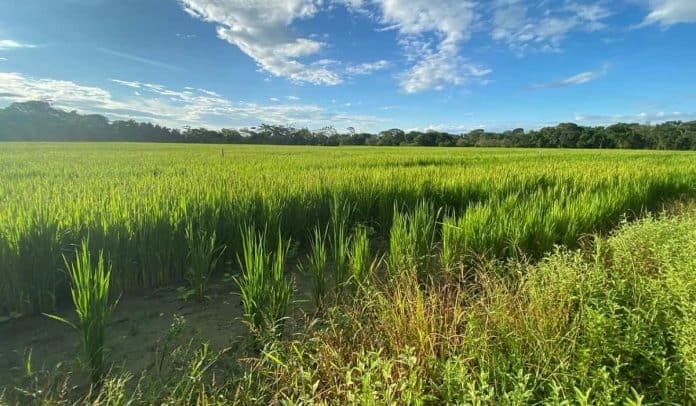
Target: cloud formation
579, 79
642, 117
8, 44
669, 12
367, 68
174, 108
261, 30
430, 33
541, 27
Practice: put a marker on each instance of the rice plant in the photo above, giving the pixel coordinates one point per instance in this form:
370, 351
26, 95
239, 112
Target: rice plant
340, 240
203, 254
265, 290
89, 289
316, 267
411, 239
360, 258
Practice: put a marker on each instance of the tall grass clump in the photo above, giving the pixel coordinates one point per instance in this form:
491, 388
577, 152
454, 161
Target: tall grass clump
202, 256
89, 288
316, 267
39, 248
340, 239
411, 238
265, 290
360, 258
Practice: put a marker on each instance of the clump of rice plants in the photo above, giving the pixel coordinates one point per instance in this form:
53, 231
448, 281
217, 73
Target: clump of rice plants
265, 290
316, 267
340, 240
411, 238
360, 259
90, 294
202, 257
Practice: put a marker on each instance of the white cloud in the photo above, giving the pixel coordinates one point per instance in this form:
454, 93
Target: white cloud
447, 128
134, 85
3, 59
669, 12
6, 44
652, 117
261, 29
540, 27
367, 68
146, 61
579, 79
174, 108
293, 98
431, 32
274, 99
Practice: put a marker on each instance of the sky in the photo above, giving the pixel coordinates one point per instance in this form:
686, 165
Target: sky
447, 65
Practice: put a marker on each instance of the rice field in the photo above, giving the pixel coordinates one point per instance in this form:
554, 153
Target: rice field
333, 275
138, 203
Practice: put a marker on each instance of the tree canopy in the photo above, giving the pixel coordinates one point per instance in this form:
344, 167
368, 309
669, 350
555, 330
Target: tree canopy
39, 121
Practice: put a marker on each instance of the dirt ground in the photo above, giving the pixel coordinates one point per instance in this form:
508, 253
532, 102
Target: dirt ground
134, 334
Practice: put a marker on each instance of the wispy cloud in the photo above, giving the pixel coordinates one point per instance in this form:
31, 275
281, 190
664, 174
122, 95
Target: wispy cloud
579, 79
7, 44
669, 12
3, 59
541, 27
641, 117
136, 58
175, 108
367, 68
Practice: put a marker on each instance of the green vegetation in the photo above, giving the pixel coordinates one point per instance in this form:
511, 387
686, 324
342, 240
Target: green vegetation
360, 258
266, 293
500, 281
611, 323
38, 121
316, 267
89, 288
203, 255
135, 201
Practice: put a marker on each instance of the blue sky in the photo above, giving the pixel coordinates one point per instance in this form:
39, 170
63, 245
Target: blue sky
450, 65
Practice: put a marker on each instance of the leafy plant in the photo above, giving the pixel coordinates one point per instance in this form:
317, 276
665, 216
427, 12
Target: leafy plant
203, 255
340, 240
316, 267
411, 239
360, 257
90, 294
266, 292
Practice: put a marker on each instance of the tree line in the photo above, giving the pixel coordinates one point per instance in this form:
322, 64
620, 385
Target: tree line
39, 121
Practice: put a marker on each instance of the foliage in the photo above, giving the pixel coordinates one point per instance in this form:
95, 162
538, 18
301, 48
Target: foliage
203, 254
316, 267
265, 290
34, 120
90, 294
360, 258
135, 202
609, 323
411, 239
340, 240
610, 326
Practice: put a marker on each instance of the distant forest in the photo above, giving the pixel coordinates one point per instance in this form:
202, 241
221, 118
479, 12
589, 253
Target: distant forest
39, 121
